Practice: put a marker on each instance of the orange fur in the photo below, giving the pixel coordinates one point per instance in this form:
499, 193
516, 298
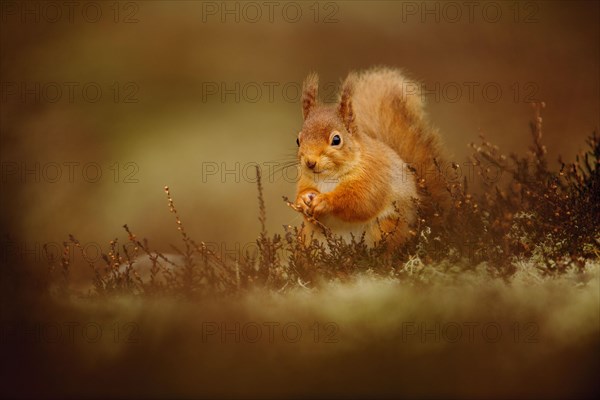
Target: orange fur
352, 186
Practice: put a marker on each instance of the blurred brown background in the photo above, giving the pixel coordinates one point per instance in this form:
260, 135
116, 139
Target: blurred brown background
164, 92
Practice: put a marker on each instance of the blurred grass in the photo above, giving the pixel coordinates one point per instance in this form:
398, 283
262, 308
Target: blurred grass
553, 355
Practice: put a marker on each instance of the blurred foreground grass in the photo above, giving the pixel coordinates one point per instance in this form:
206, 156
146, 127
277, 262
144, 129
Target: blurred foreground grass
442, 335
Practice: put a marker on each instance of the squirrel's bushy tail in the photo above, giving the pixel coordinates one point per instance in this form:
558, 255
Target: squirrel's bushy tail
389, 107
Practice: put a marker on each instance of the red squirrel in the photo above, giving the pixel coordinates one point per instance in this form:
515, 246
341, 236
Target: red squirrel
366, 162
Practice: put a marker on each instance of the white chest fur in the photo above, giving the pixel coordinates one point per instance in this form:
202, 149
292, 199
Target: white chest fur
326, 184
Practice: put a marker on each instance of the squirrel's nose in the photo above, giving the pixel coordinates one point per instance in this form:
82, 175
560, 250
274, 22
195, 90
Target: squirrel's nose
311, 164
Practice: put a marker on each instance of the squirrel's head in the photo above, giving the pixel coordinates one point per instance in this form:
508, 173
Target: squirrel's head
329, 142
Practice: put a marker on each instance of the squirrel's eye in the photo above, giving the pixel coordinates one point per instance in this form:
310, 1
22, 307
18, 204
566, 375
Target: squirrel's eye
298, 142
336, 140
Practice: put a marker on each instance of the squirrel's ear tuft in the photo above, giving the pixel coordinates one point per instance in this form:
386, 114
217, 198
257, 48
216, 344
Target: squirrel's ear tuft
345, 109
309, 93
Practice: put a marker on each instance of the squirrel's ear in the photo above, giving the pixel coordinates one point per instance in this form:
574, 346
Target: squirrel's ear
309, 93
345, 110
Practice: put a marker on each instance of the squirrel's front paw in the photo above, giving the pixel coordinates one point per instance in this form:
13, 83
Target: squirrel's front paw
304, 200
319, 206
